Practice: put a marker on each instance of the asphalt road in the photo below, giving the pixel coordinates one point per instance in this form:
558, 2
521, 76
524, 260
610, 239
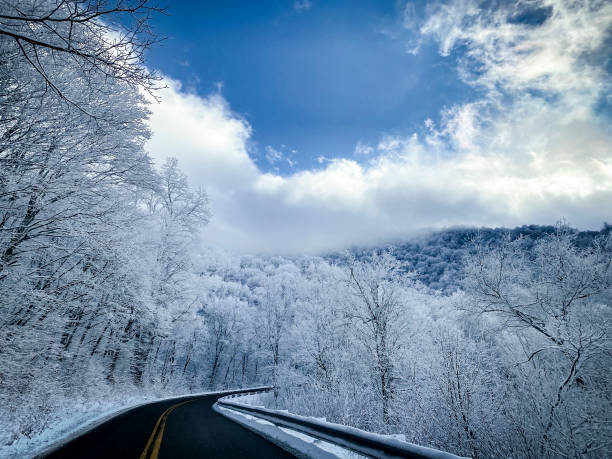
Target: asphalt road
179, 428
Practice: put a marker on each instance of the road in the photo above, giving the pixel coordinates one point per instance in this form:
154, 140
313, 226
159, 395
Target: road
179, 428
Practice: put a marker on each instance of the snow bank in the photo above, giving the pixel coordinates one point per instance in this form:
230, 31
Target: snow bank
66, 430
346, 439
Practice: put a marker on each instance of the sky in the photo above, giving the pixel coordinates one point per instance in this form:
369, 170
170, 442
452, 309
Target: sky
316, 126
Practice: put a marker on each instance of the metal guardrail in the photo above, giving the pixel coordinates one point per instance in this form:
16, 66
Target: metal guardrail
357, 440
243, 392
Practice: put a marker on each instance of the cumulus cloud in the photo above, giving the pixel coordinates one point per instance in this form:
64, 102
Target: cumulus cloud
532, 149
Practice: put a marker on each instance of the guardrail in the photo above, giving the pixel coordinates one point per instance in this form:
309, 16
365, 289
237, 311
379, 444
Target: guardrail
243, 392
360, 441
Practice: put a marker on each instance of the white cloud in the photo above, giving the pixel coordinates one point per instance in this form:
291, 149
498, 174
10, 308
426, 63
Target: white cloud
207, 138
411, 22
531, 150
518, 56
302, 5
461, 124
273, 155
362, 149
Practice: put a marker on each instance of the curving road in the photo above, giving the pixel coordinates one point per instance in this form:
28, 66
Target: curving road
179, 428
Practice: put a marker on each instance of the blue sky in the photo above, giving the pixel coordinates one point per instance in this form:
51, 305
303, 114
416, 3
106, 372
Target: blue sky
315, 80
316, 125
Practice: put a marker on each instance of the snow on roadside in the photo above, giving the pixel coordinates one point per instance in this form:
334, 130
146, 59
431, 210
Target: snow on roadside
325, 445
260, 401
295, 442
66, 429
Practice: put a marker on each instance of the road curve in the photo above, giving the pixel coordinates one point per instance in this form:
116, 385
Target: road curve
179, 428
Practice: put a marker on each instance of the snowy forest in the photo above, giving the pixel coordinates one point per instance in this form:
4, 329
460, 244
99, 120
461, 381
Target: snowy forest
481, 342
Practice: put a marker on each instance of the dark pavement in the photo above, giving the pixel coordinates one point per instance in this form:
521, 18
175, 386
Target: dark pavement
179, 428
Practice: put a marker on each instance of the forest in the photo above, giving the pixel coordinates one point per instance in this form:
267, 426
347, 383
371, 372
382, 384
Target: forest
481, 342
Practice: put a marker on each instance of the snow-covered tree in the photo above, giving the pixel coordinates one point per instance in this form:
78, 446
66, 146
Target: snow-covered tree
98, 40
556, 300
380, 317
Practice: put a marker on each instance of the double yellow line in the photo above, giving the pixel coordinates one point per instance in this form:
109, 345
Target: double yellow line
158, 432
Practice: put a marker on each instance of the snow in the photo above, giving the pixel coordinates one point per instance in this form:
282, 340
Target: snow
336, 450
290, 442
111, 294
71, 428
396, 440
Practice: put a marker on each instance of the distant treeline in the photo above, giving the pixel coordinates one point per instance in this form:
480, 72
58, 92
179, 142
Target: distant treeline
436, 259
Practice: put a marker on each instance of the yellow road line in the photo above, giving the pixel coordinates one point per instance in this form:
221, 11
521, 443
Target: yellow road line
144, 453
158, 432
